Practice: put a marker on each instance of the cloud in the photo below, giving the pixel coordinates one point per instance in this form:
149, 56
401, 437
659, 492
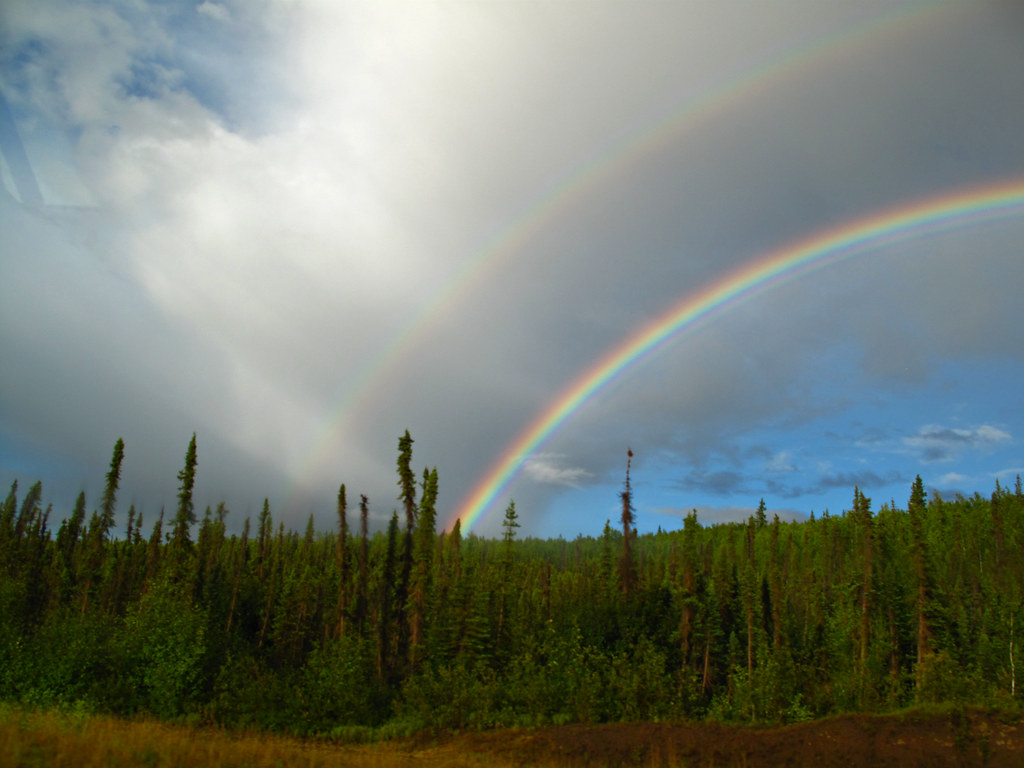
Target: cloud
720, 482
781, 463
547, 468
865, 480
321, 224
214, 11
937, 443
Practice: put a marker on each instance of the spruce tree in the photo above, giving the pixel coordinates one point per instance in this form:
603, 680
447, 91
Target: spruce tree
761, 516
109, 498
423, 565
181, 539
342, 563
407, 483
510, 524
916, 510
264, 533
627, 568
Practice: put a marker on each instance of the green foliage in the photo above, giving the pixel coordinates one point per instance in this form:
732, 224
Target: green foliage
164, 642
337, 685
186, 517
335, 633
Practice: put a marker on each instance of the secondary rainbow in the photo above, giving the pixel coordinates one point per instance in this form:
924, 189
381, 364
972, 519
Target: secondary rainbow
929, 216
600, 169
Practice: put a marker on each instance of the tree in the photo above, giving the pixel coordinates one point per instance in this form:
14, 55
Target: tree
865, 530
342, 562
109, 498
407, 483
423, 566
362, 587
916, 510
627, 568
510, 524
761, 516
180, 535
263, 533
383, 612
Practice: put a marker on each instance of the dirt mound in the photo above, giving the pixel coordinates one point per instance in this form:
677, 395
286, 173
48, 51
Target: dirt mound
961, 738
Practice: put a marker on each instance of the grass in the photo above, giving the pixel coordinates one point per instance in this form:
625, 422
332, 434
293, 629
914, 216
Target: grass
31, 739
933, 735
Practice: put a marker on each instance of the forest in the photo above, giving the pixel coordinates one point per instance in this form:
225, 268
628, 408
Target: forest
353, 634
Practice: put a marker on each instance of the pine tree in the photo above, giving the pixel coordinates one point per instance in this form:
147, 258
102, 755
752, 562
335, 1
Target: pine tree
510, 524
237, 570
407, 483
362, 587
264, 533
342, 563
761, 515
181, 539
687, 586
916, 510
109, 498
423, 565
865, 531
153, 549
627, 568
383, 613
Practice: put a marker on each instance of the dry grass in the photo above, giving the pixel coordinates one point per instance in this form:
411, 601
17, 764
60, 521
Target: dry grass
971, 739
38, 739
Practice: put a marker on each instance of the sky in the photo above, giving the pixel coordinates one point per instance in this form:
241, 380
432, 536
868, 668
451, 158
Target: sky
299, 228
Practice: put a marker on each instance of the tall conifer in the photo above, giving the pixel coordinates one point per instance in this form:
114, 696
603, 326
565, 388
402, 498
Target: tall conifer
627, 568
109, 498
184, 519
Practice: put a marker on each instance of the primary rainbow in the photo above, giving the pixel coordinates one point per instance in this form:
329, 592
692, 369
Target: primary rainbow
934, 214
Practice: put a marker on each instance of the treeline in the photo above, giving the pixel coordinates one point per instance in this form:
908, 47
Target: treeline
406, 629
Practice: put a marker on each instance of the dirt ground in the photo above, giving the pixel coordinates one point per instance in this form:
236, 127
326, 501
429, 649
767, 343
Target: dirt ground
961, 738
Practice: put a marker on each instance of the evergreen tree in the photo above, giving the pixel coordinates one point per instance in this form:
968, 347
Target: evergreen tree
181, 538
423, 565
761, 515
627, 568
916, 509
109, 498
510, 524
407, 484
363, 585
153, 548
342, 563
264, 534
384, 618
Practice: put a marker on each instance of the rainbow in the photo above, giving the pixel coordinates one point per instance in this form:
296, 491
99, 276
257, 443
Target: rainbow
617, 157
778, 267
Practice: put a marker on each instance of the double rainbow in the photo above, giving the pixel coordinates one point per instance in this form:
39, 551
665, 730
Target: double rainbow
933, 215
658, 131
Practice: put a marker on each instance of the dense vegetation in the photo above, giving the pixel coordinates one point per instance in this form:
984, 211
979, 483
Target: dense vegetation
403, 629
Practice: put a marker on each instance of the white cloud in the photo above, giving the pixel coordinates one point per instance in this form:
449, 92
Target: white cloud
547, 468
214, 11
938, 443
781, 462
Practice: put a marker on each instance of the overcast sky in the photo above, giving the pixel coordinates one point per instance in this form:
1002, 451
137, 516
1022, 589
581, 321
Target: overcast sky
298, 229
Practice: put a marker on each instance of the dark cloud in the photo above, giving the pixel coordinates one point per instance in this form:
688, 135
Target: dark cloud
938, 443
865, 480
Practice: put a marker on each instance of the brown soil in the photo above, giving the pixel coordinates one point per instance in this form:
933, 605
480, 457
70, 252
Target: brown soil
961, 738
